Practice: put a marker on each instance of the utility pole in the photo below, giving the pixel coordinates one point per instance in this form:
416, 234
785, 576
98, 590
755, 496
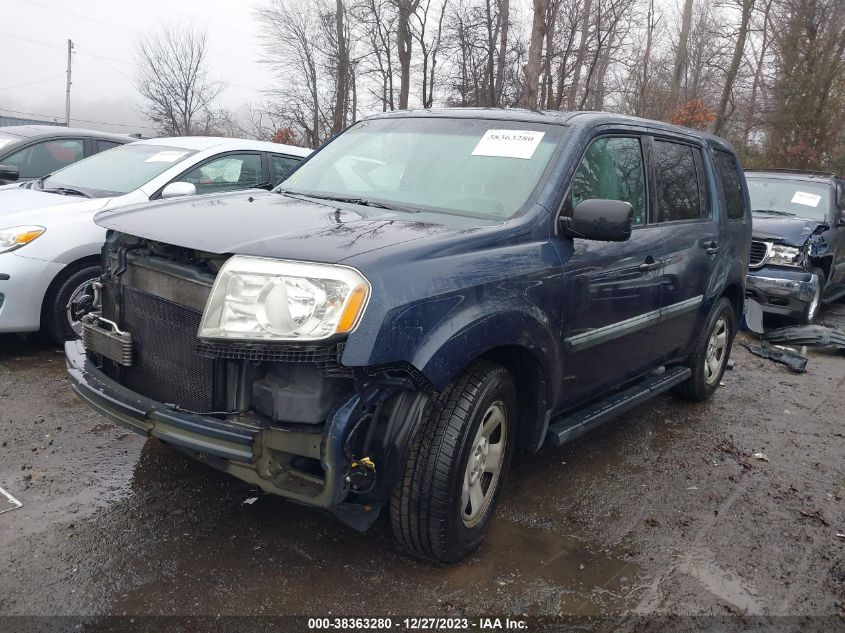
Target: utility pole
67, 94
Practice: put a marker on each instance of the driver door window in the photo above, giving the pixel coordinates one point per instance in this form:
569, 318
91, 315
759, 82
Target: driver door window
46, 157
227, 173
612, 169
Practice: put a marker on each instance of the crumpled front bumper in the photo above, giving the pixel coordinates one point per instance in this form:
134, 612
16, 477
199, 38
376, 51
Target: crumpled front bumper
256, 454
782, 291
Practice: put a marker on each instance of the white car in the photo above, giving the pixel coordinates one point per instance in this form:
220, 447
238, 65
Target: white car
50, 246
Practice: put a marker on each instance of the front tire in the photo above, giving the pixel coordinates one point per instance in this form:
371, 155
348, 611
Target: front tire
441, 509
70, 298
709, 358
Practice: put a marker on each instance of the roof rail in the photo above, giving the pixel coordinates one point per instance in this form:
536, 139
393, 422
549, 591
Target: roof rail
808, 172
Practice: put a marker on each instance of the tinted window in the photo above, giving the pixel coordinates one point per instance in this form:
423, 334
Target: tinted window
102, 146
678, 189
612, 169
281, 165
729, 174
43, 158
234, 171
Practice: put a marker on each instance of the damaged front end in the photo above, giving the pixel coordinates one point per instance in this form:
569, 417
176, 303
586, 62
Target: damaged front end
286, 416
782, 275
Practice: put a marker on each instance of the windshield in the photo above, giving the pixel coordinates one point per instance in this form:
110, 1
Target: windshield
117, 171
473, 167
799, 198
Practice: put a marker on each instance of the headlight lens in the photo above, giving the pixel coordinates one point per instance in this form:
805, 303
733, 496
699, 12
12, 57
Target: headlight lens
17, 236
255, 298
785, 255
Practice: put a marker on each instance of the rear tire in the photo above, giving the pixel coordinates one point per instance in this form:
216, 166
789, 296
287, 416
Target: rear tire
56, 319
441, 509
813, 309
709, 358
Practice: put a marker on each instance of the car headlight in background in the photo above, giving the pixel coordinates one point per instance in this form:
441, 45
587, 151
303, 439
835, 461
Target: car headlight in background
785, 255
256, 298
17, 236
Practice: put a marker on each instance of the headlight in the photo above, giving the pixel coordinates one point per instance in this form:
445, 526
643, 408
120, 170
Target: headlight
255, 298
785, 255
18, 236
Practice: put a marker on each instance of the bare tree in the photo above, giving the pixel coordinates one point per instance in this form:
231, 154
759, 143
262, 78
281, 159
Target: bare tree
173, 80
581, 55
404, 41
681, 60
342, 90
733, 69
535, 54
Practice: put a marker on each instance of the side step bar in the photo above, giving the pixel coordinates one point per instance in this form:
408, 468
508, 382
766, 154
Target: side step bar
568, 428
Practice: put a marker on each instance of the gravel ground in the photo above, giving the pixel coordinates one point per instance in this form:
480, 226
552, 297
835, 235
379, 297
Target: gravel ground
665, 512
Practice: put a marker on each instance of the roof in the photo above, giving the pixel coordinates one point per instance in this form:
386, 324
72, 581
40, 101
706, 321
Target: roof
31, 131
555, 117
791, 174
199, 143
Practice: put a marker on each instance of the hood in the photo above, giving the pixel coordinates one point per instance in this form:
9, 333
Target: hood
274, 225
784, 230
19, 206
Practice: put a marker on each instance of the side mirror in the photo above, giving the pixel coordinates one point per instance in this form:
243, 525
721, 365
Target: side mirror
9, 172
179, 190
600, 220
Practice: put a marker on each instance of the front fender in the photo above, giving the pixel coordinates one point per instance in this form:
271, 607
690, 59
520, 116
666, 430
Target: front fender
450, 348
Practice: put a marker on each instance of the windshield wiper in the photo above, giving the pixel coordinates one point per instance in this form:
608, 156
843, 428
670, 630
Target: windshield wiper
68, 191
773, 212
364, 202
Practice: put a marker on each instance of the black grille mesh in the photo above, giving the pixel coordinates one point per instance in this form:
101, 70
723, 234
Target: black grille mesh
326, 357
167, 367
758, 253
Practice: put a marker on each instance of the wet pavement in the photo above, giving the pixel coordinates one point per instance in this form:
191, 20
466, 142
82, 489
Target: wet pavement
664, 511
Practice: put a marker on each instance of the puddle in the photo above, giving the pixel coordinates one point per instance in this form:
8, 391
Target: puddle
517, 558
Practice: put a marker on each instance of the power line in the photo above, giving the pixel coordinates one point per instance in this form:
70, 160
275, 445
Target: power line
29, 83
104, 62
47, 116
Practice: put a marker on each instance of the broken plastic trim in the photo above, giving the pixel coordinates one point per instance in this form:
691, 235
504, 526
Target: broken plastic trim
12, 501
795, 361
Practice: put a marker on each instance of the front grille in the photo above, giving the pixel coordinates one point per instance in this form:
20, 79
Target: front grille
325, 357
167, 367
759, 250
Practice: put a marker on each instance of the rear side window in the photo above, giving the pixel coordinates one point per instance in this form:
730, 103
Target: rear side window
679, 191
729, 174
281, 166
612, 169
102, 146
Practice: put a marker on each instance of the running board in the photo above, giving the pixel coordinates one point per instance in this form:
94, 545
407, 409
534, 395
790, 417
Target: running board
568, 428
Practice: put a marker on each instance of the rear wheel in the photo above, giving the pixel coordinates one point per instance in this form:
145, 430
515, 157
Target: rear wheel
710, 355
71, 298
442, 507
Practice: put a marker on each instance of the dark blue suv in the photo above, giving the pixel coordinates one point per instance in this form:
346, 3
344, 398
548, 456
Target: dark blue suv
424, 295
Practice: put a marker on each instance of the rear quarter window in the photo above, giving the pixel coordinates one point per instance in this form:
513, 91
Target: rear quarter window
728, 170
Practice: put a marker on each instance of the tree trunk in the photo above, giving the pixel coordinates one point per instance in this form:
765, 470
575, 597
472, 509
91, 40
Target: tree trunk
758, 77
535, 54
733, 69
649, 42
342, 97
681, 56
582, 53
403, 45
505, 19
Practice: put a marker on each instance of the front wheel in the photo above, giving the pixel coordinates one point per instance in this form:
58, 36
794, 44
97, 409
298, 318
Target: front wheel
442, 507
710, 354
70, 300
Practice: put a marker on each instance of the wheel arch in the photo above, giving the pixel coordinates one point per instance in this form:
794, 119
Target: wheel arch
60, 276
735, 293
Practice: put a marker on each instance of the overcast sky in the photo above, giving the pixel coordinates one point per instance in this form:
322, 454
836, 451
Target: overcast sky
33, 47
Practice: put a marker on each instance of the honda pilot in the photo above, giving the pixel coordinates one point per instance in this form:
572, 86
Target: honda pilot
424, 295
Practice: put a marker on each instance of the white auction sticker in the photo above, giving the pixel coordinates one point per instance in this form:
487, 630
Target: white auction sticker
167, 156
807, 199
508, 143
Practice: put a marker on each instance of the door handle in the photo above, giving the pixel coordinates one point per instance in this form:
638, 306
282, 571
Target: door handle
650, 264
712, 248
